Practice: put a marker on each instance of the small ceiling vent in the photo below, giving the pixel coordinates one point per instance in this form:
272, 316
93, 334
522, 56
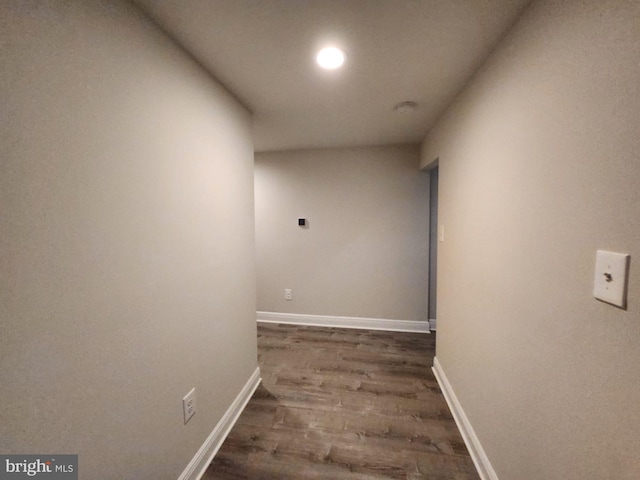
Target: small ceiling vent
405, 107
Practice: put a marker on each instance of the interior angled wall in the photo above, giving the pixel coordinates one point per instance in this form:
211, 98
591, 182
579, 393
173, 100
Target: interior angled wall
539, 168
127, 272
365, 252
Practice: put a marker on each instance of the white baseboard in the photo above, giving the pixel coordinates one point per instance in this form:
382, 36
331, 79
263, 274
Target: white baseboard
198, 465
478, 455
344, 322
432, 324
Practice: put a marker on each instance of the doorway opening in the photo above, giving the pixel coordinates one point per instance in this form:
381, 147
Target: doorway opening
433, 245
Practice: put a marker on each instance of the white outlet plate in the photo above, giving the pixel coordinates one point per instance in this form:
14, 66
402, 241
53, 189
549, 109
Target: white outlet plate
189, 405
610, 280
287, 294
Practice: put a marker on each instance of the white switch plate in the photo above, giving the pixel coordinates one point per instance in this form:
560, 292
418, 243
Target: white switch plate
189, 405
610, 281
441, 234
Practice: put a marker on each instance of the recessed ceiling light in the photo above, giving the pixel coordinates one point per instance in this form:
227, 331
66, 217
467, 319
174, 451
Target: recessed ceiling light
330, 58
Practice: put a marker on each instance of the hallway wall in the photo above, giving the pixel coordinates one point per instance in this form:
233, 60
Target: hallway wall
127, 272
365, 252
539, 168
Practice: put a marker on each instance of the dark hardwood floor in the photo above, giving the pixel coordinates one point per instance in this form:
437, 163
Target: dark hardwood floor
344, 404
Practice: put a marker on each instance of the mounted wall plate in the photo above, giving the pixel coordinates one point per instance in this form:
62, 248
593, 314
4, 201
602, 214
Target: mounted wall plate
611, 275
189, 405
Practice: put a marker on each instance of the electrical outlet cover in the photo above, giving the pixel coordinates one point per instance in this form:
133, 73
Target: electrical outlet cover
189, 405
610, 281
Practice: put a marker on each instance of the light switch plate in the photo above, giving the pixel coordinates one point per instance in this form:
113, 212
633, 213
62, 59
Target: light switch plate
610, 281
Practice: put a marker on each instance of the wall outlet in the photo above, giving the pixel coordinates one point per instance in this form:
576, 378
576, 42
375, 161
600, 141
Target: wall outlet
287, 294
189, 405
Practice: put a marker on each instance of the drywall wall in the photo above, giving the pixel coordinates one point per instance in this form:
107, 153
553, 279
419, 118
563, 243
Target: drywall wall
365, 251
538, 169
127, 246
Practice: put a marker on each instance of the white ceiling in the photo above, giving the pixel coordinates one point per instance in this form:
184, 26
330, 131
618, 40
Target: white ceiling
397, 50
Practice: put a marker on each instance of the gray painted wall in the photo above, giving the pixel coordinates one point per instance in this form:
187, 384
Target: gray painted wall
127, 247
539, 168
365, 253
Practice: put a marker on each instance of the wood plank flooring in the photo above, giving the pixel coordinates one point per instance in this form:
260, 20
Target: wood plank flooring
344, 404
